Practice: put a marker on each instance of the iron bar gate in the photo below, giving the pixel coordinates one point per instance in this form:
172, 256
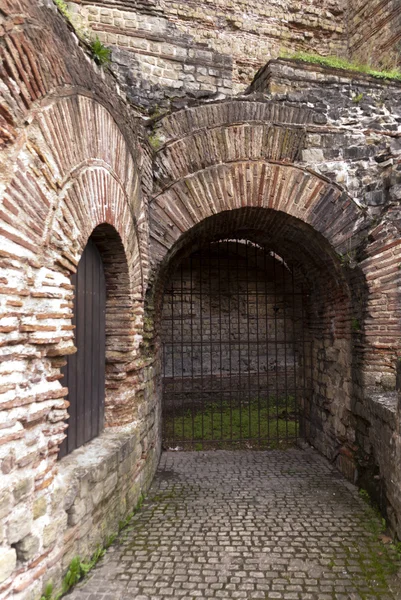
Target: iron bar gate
237, 362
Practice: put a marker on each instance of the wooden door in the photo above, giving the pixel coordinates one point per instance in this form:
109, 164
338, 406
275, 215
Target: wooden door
84, 374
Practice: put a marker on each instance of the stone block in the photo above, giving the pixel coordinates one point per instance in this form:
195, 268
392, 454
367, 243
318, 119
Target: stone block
71, 494
22, 488
51, 531
312, 155
78, 510
110, 484
27, 548
6, 503
19, 525
39, 507
8, 561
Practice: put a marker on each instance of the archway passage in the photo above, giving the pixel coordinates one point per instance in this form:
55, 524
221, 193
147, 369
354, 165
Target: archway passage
84, 373
237, 355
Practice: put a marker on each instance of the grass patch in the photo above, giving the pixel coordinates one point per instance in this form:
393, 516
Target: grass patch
79, 568
386, 558
336, 62
262, 423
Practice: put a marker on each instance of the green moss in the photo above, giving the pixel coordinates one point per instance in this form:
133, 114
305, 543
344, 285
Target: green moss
269, 422
155, 141
63, 8
336, 62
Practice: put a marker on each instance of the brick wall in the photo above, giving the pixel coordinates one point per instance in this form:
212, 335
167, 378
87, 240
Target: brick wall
60, 179
375, 31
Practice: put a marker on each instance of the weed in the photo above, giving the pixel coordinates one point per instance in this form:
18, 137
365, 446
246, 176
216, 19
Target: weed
355, 324
78, 568
47, 594
101, 54
63, 8
348, 259
337, 62
73, 575
110, 540
356, 99
127, 520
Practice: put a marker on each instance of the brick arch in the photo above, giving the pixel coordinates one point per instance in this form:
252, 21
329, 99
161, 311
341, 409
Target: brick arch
199, 137
316, 262
120, 321
307, 219
254, 184
94, 206
73, 172
73, 149
329, 312
92, 197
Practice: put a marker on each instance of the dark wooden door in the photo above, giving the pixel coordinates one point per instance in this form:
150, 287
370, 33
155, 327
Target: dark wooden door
84, 374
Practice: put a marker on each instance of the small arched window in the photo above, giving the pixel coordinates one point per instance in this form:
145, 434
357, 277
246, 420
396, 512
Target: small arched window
84, 374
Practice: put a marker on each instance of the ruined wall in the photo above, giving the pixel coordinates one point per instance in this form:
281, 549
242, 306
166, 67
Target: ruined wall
375, 32
164, 50
59, 180
319, 148
236, 153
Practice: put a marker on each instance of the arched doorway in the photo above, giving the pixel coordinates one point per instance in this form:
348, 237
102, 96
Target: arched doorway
84, 373
255, 323
237, 354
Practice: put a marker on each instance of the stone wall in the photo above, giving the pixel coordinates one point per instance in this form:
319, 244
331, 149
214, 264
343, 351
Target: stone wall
354, 142
164, 50
375, 32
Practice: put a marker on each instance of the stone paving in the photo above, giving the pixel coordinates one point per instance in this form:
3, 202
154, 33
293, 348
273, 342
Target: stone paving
278, 524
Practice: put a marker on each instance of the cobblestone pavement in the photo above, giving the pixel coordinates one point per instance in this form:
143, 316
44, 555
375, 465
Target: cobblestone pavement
278, 524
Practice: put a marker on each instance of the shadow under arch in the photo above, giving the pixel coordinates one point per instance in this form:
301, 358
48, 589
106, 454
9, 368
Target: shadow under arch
329, 312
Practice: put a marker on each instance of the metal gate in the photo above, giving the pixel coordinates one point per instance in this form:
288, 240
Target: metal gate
237, 363
84, 374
